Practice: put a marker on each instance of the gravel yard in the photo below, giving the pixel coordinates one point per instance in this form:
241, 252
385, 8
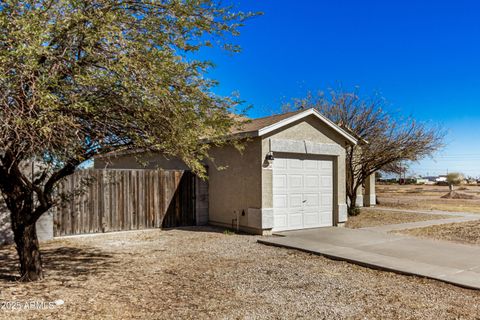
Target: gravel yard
464, 232
428, 197
374, 218
204, 273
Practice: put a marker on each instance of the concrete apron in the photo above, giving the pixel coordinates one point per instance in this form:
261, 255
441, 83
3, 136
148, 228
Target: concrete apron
440, 260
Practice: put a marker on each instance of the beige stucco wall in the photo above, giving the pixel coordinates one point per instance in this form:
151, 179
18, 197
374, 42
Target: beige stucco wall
366, 193
44, 224
6, 234
370, 199
314, 130
236, 189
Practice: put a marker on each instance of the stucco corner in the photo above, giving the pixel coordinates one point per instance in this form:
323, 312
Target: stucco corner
342, 212
267, 218
359, 201
370, 200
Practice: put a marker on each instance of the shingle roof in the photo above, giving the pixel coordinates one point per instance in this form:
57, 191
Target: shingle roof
265, 125
259, 123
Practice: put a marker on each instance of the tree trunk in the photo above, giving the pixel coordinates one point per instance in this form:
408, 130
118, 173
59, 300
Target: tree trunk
352, 208
26, 241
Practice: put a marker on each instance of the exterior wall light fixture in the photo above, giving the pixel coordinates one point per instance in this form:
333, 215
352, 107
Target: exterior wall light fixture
269, 157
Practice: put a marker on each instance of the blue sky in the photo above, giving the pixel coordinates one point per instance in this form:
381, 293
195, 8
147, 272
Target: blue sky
422, 56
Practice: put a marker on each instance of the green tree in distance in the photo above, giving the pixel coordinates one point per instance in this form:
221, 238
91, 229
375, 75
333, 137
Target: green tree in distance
454, 179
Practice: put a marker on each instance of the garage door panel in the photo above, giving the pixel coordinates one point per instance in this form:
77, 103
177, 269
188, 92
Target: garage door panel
310, 164
294, 164
311, 219
280, 201
326, 182
326, 218
295, 220
295, 201
302, 193
311, 200
280, 181
295, 181
327, 201
280, 220
280, 164
312, 181
326, 165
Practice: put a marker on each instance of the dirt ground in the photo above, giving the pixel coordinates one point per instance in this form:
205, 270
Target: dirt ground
464, 232
373, 218
204, 273
427, 197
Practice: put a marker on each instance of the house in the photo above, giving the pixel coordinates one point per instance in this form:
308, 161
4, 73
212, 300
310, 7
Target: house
430, 179
420, 180
291, 175
441, 179
425, 180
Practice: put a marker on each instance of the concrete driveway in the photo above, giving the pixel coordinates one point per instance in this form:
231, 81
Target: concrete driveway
449, 262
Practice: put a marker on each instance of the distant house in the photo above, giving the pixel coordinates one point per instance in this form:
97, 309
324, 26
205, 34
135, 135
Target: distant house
421, 180
426, 180
441, 179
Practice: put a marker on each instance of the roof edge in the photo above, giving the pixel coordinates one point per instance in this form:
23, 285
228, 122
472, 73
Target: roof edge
302, 115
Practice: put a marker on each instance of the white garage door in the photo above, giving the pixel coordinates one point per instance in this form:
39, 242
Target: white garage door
302, 193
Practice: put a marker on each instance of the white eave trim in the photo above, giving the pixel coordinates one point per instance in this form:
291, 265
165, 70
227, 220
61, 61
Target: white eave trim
302, 115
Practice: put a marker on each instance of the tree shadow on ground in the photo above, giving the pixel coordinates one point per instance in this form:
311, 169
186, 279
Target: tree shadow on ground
59, 263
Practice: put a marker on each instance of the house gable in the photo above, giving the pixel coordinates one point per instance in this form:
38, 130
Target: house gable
308, 128
314, 119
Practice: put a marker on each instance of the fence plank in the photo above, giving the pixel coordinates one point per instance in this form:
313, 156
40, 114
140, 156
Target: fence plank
115, 200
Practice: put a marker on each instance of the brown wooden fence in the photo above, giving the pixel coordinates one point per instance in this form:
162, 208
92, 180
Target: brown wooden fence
117, 200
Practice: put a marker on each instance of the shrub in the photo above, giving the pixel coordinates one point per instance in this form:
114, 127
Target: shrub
354, 211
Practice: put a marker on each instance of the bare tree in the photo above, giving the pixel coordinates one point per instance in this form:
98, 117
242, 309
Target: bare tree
399, 168
384, 139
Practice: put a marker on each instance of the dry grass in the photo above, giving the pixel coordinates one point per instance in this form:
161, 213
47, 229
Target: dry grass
458, 195
203, 273
373, 218
427, 197
463, 232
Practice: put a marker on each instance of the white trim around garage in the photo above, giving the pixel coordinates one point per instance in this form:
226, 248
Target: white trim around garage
305, 147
